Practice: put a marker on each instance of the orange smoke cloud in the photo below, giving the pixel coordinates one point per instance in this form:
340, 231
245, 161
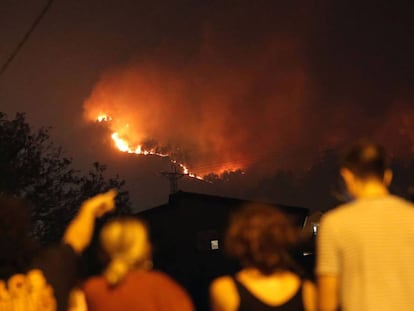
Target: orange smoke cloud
251, 88
216, 113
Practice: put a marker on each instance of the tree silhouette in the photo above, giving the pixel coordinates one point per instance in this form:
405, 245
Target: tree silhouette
34, 168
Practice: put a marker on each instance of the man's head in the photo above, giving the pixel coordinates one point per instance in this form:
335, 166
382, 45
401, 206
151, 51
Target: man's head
365, 166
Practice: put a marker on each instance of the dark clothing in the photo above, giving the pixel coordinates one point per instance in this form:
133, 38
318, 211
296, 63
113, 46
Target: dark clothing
16, 257
59, 265
248, 302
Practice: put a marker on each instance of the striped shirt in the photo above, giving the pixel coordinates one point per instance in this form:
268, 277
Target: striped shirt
369, 245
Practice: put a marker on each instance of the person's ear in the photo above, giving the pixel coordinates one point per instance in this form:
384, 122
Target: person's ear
350, 181
387, 177
347, 176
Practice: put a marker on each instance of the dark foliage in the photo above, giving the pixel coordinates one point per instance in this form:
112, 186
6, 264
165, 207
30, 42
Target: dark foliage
34, 168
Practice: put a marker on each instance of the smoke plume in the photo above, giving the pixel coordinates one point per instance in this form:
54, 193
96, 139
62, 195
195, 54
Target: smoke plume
253, 89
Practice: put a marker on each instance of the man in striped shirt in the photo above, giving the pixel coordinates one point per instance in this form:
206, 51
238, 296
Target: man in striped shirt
366, 247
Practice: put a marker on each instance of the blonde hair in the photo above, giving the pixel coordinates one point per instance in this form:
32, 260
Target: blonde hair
125, 241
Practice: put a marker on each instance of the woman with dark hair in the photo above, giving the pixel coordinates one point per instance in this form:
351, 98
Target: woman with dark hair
261, 238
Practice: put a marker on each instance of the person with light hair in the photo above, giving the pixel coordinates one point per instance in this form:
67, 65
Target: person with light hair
128, 281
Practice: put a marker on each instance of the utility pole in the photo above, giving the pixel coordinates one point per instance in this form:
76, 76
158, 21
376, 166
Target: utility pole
173, 178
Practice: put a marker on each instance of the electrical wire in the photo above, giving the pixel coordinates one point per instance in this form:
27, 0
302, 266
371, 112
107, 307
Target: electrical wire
25, 37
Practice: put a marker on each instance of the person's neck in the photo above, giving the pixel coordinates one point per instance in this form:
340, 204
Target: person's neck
371, 189
255, 273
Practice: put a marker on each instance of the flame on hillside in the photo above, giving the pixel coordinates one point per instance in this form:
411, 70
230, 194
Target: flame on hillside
103, 117
123, 145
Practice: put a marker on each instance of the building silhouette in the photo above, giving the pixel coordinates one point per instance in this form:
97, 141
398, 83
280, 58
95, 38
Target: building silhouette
187, 235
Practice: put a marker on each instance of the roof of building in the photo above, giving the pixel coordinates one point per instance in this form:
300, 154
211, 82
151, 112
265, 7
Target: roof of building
178, 199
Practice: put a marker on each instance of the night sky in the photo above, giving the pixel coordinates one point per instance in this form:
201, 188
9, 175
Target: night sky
256, 85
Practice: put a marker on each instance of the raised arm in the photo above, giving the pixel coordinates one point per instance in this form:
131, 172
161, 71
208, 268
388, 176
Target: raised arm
79, 232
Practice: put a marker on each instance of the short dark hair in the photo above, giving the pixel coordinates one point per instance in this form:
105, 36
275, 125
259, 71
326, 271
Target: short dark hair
366, 159
262, 237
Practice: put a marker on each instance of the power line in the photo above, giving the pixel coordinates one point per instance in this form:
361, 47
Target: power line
26, 37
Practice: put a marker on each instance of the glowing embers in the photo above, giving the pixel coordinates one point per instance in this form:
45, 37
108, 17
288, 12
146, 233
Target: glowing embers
123, 145
103, 117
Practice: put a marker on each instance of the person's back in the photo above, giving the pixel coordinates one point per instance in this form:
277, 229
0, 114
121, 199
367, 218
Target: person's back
375, 237
139, 290
249, 290
365, 252
262, 239
127, 283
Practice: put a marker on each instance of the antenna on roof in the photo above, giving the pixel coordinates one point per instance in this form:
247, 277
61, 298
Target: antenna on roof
173, 177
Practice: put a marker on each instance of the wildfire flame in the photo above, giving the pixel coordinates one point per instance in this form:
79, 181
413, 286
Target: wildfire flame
103, 117
124, 146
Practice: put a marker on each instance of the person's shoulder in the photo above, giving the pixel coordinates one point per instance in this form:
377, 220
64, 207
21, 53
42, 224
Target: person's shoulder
401, 201
155, 275
174, 295
338, 212
225, 283
223, 293
155, 279
95, 279
401, 209
339, 217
